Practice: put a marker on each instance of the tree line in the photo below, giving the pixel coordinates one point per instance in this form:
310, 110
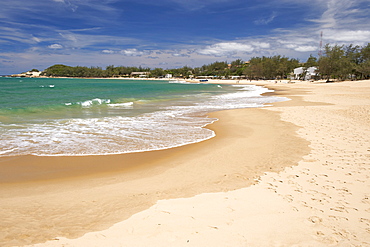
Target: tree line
345, 62
337, 62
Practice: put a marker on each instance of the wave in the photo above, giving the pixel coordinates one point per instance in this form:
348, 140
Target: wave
50, 86
110, 135
167, 124
89, 103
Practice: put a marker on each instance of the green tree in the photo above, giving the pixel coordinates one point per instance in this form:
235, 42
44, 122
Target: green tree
334, 63
157, 72
58, 70
237, 63
214, 69
363, 67
311, 62
110, 71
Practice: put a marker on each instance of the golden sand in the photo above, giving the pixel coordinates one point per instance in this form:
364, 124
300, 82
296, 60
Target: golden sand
292, 174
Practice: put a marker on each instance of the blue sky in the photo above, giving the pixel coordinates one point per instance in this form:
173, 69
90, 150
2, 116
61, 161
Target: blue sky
171, 33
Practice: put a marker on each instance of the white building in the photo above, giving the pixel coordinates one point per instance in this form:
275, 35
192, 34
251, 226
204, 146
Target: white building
33, 73
305, 73
140, 74
28, 74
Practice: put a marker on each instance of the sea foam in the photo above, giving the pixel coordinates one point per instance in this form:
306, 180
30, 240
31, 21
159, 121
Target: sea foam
92, 102
168, 126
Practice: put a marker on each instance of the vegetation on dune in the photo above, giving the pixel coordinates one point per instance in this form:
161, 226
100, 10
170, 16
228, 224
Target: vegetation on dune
338, 62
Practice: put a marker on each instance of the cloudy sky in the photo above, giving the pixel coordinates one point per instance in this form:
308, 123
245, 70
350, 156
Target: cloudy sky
171, 33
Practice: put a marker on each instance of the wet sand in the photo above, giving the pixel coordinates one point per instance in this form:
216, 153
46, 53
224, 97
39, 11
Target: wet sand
47, 197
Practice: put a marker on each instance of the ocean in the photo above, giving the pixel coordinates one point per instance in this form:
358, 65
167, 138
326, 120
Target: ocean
76, 117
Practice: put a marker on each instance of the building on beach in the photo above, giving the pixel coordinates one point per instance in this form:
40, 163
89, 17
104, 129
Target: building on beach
28, 74
140, 74
302, 73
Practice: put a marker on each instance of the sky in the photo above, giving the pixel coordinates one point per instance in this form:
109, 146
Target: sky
172, 33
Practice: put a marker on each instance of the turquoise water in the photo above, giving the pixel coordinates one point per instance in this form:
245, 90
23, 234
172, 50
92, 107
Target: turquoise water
28, 99
47, 116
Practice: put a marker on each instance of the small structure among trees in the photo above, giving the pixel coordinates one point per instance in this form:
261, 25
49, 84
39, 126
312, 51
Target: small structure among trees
304, 73
140, 74
31, 73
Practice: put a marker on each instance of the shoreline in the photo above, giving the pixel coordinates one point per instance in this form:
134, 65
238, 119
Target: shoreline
147, 177
271, 183
90, 164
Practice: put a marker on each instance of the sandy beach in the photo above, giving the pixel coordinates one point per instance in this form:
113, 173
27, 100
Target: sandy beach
293, 174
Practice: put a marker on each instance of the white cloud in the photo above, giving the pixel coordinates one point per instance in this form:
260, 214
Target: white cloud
80, 40
262, 45
133, 53
349, 36
299, 45
226, 49
232, 48
265, 21
68, 3
343, 14
335, 10
306, 48
179, 54
69, 36
108, 51
36, 39
55, 46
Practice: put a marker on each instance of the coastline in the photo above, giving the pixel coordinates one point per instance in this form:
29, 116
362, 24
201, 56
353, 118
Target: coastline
68, 208
146, 177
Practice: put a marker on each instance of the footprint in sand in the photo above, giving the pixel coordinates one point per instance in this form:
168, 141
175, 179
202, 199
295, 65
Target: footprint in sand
315, 219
